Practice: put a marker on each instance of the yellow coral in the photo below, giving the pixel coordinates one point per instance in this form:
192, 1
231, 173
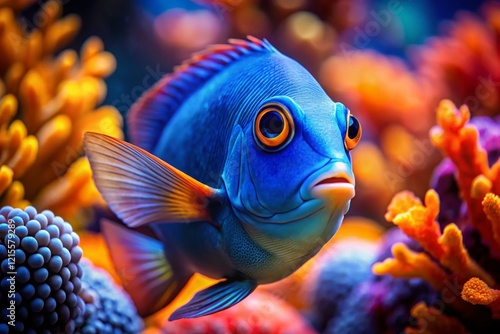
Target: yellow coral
46, 104
433, 321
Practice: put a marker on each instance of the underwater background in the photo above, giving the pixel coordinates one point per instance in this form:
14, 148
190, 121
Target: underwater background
419, 250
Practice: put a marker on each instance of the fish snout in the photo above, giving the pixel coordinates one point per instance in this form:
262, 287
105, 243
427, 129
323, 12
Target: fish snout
335, 186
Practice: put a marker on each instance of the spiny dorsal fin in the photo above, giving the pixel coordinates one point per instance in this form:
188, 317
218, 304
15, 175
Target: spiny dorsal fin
148, 117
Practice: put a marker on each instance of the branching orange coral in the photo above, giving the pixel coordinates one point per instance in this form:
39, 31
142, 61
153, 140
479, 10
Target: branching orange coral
459, 141
475, 291
409, 264
432, 321
46, 104
491, 206
419, 222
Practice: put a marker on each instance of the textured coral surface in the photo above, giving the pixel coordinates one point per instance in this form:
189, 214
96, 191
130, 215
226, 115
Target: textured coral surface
47, 102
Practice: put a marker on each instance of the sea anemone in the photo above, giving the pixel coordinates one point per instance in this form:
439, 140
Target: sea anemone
41, 275
47, 102
108, 309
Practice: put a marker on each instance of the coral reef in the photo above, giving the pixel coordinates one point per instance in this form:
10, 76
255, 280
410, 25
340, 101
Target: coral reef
47, 102
108, 309
445, 262
41, 275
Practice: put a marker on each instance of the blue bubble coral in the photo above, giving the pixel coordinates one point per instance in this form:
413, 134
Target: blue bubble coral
108, 309
41, 277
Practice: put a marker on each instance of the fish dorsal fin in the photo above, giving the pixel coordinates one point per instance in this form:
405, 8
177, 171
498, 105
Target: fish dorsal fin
149, 115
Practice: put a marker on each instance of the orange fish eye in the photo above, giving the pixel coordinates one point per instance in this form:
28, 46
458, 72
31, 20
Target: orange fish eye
353, 133
273, 127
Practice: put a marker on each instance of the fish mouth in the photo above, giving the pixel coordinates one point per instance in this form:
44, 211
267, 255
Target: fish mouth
333, 180
335, 187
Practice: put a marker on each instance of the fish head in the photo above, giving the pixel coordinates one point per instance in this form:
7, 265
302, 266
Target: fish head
289, 171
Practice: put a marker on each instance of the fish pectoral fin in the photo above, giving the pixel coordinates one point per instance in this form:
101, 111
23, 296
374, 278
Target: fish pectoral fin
141, 264
141, 188
216, 298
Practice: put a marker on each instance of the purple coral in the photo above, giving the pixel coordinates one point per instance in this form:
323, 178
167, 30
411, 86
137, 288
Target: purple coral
41, 277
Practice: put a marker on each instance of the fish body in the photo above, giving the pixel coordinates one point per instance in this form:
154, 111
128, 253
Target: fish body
244, 174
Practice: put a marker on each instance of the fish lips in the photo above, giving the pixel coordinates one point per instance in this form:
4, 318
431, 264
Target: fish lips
334, 184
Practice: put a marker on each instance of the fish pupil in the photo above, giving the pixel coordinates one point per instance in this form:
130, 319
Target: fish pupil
271, 124
353, 127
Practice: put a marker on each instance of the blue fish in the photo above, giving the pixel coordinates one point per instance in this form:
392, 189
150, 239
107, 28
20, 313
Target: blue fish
240, 165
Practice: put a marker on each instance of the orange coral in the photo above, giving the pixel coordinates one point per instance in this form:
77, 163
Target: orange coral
46, 104
459, 141
419, 222
475, 291
409, 264
432, 321
478, 185
491, 206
